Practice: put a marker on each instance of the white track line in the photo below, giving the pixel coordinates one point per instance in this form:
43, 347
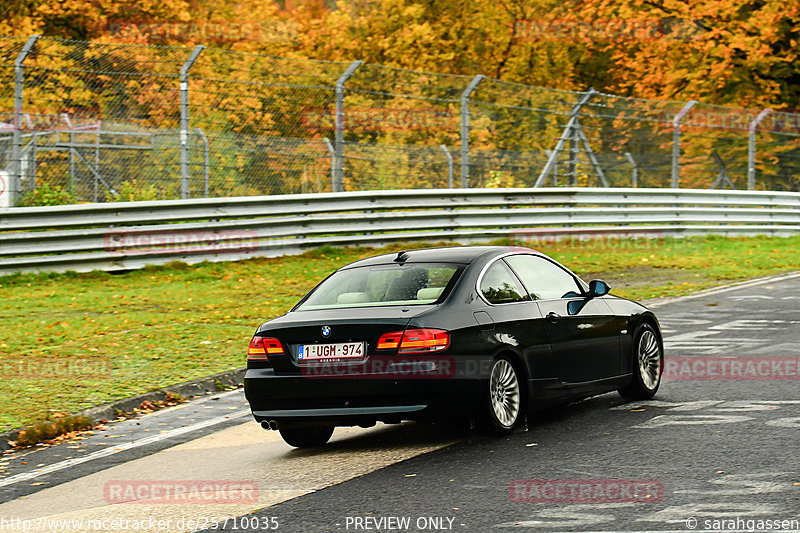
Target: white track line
725, 288
55, 467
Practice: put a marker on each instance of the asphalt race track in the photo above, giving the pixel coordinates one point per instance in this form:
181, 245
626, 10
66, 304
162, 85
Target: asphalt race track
716, 450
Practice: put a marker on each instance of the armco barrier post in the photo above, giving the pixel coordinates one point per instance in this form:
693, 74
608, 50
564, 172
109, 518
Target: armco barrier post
465, 129
676, 141
751, 149
16, 135
185, 119
338, 168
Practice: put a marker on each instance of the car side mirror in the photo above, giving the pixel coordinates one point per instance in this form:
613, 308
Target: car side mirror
598, 287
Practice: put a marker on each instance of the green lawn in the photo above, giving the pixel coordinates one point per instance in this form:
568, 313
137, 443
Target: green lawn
124, 334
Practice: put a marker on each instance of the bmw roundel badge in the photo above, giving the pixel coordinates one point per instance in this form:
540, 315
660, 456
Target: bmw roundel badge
326, 331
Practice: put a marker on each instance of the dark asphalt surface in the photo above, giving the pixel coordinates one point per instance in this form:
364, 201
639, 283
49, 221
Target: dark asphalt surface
721, 449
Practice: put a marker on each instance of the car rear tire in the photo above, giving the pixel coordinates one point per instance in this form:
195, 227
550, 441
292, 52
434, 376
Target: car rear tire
306, 436
504, 397
648, 364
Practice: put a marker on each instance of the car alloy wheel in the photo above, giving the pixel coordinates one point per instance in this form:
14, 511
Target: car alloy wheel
647, 365
504, 395
649, 357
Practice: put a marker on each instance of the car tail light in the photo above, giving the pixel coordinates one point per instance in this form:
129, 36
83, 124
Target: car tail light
261, 347
390, 341
415, 341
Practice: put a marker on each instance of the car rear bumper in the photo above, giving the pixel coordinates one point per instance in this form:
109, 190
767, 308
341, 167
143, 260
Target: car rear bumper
355, 400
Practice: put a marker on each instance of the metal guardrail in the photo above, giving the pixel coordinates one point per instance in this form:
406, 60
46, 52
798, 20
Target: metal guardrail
129, 235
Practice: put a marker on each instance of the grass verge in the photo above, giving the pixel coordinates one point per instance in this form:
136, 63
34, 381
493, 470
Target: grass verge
72, 341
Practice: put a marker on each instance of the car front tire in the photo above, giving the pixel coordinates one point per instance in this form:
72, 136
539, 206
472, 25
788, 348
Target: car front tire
306, 436
648, 365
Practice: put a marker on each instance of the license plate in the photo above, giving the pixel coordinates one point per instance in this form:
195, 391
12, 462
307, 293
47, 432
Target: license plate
317, 352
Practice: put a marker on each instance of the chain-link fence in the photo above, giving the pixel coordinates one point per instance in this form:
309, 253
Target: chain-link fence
108, 122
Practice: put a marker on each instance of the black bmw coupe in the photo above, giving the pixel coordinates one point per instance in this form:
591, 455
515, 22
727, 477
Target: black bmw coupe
487, 332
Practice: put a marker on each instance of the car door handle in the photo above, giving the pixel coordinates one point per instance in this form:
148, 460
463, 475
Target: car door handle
553, 316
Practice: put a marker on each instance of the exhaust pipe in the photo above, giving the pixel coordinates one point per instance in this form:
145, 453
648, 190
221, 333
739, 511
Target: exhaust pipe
269, 425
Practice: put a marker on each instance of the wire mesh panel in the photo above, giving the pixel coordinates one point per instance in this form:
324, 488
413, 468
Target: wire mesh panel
777, 152
9, 50
520, 123
101, 119
714, 147
387, 107
264, 119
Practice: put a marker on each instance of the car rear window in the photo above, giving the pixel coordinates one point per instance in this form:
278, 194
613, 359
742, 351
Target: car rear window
406, 284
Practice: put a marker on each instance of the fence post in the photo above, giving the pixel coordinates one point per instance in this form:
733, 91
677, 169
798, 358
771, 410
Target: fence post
338, 170
635, 173
568, 134
465, 129
676, 141
449, 165
332, 153
185, 119
204, 140
751, 149
16, 136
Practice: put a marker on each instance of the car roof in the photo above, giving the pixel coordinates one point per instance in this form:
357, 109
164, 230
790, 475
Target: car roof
445, 254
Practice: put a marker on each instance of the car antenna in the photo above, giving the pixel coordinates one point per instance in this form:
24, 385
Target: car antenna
402, 256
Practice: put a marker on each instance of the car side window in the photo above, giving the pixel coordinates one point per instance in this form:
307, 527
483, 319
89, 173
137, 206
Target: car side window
543, 279
499, 285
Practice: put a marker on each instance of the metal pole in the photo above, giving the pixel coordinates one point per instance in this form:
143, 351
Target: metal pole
70, 152
185, 119
751, 149
449, 165
204, 140
465, 129
337, 184
96, 162
549, 154
332, 153
572, 171
635, 176
574, 115
676, 141
34, 154
16, 135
